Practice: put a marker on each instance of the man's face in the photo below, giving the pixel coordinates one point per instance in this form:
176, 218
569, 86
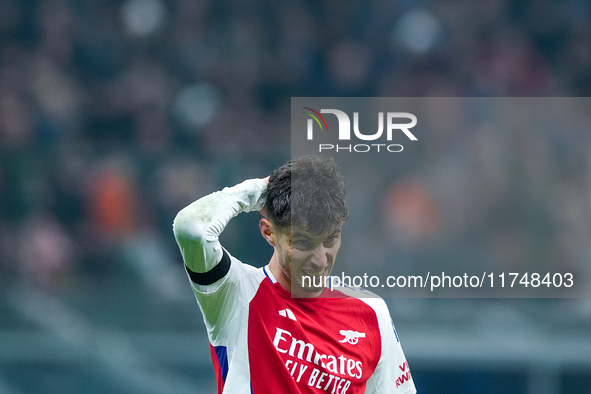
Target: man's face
302, 254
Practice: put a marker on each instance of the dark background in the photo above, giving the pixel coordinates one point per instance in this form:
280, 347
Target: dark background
116, 114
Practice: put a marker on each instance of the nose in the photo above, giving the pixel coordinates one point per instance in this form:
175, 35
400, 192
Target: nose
319, 257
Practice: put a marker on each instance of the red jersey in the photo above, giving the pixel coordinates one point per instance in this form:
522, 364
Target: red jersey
265, 341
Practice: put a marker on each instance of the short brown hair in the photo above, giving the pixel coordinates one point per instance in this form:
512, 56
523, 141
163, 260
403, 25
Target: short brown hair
307, 192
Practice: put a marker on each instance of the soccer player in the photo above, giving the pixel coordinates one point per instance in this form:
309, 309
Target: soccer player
269, 330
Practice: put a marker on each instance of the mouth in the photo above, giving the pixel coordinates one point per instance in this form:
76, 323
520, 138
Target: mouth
314, 273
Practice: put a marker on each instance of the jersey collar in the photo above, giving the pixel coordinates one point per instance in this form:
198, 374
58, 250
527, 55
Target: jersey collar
269, 274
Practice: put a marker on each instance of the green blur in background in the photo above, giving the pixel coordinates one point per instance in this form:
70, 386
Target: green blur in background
116, 114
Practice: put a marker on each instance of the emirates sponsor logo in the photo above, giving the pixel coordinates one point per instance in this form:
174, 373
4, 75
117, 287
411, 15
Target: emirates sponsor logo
286, 343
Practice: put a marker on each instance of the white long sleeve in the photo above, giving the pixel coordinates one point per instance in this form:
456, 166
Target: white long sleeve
198, 226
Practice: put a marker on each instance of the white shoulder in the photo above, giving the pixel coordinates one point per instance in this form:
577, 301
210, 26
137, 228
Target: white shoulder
371, 299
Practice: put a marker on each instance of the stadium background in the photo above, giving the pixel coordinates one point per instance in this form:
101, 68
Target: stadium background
115, 114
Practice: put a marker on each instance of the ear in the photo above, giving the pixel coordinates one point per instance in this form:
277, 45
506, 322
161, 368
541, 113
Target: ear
267, 231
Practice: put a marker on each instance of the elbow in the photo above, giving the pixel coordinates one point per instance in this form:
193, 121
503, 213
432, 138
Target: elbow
196, 242
185, 228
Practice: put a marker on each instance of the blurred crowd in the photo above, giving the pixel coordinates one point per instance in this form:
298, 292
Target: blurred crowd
116, 114
496, 184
